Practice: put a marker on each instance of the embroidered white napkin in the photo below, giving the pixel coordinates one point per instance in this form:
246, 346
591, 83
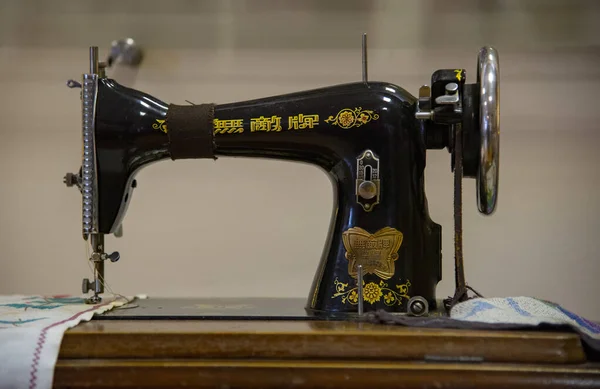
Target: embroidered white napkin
31, 331
523, 310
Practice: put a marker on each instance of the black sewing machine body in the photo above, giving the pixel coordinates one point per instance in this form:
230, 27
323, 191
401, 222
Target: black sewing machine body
370, 138
344, 130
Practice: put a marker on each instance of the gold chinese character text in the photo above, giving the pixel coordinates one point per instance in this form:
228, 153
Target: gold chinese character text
301, 121
265, 124
230, 126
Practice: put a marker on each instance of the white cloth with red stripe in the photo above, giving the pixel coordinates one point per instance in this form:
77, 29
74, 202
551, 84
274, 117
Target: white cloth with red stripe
31, 331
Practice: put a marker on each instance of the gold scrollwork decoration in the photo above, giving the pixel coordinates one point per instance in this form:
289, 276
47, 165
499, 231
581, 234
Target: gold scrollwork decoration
160, 125
348, 118
458, 74
372, 293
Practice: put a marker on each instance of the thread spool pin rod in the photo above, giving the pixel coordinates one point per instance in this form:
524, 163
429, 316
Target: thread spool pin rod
364, 59
360, 290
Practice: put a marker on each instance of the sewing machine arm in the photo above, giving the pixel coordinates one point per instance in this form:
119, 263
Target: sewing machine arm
370, 138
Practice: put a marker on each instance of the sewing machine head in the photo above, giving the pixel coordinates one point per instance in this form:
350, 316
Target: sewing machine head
383, 251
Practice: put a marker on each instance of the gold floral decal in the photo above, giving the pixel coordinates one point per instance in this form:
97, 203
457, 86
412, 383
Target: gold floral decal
356, 117
372, 293
160, 125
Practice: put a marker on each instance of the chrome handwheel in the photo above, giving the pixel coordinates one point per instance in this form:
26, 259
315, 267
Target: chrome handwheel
488, 73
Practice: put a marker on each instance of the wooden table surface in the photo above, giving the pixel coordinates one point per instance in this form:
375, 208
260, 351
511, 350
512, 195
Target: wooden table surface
278, 354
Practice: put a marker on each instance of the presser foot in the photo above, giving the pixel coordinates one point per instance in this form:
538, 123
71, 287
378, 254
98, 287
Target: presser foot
98, 257
93, 286
95, 299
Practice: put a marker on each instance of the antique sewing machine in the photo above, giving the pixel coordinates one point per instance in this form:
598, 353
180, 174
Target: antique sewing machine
383, 251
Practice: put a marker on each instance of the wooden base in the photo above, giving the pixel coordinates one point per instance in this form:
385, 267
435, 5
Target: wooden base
265, 354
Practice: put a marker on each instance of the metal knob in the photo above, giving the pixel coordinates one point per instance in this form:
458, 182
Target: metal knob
488, 71
86, 285
367, 190
71, 179
451, 88
417, 306
114, 257
451, 97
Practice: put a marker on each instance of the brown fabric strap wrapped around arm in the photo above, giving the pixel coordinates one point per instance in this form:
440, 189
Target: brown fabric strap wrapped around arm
190, 130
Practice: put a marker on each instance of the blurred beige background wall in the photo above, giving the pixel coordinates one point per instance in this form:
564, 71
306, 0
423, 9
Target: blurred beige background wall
256, 228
